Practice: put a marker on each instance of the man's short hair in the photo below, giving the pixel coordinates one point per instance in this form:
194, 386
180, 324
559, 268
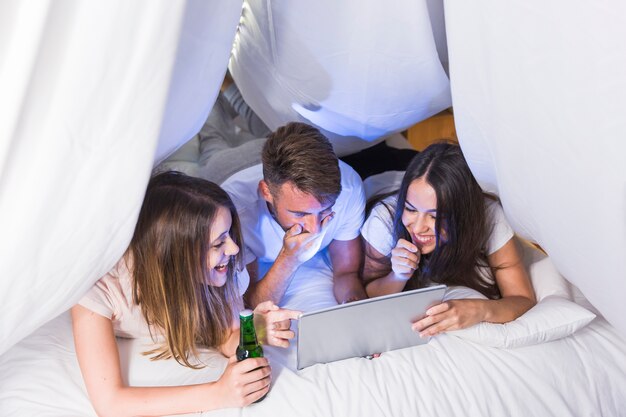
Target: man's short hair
300, 153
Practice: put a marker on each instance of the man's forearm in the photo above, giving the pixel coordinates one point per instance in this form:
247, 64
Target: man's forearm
273, 285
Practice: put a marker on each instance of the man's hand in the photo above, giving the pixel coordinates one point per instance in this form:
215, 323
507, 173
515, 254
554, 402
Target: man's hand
299, 247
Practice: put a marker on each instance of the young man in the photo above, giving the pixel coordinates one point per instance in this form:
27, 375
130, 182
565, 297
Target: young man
299, 201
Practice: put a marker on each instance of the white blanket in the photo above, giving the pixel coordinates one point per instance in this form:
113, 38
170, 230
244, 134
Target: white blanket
580, 375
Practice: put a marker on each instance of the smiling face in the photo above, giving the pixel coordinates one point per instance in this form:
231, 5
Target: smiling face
291, 206
419, 214
222, 248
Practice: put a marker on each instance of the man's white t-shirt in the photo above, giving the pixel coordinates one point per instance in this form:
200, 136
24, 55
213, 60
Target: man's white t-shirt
263, 236
378, 228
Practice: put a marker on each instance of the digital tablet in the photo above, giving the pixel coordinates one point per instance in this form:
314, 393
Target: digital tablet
364, 327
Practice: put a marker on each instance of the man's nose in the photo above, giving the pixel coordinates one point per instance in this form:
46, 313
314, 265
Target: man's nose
312, 225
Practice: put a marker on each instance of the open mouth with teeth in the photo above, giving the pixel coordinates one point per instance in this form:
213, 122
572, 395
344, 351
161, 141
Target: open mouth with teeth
423, 240
222, 267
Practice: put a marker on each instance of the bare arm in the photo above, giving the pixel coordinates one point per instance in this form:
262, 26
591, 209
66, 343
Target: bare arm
345, 256
229, 348
515, 287
385, 275
298, 247
273, 285
98, 357
512, 278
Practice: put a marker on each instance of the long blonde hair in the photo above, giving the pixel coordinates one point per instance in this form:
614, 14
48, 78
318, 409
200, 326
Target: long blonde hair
169, 265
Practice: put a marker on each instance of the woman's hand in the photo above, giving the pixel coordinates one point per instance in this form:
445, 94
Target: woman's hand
451, 315
273, 324
242, 383
405, 258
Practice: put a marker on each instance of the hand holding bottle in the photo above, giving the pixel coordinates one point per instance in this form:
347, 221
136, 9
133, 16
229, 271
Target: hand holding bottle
244, 382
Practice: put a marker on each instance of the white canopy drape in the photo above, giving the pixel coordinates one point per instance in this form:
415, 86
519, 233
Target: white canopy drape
357, 69
539, 92
92, 93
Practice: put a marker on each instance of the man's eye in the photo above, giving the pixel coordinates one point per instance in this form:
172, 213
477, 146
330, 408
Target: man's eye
300, 214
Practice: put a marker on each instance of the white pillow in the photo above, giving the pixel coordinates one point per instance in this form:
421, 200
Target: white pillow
554, 316
544, 276
551, 319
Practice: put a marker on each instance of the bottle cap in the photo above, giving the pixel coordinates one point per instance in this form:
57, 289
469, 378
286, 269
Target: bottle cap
245, 313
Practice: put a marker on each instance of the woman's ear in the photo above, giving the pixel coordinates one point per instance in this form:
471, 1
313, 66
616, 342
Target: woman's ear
265, 192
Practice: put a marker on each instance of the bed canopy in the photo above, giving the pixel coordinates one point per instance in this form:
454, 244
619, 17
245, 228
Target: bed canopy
94, 93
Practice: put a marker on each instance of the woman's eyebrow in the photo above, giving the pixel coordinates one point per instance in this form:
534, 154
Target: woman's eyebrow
414, 208
220, 237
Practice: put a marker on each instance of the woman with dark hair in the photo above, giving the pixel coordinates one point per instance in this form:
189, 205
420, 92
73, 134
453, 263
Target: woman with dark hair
179, 283
440, 228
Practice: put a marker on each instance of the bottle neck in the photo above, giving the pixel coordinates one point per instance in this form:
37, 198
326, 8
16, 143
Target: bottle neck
247, 334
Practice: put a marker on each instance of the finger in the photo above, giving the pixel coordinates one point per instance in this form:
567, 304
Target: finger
257, 385
438, 309
403, 243
256, 395
403, 253
251, 363
281, 325
281, 343
296, 229
285, 315
306, 238
283, 335
265, 306
326, 221
402, 269
255, 375
427, 321
405, 262
420, 325
441, 326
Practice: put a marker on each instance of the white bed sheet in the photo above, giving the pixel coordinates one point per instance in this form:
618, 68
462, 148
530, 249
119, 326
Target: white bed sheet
580, 375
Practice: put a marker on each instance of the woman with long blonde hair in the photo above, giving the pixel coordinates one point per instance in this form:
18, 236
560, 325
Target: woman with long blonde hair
179, 283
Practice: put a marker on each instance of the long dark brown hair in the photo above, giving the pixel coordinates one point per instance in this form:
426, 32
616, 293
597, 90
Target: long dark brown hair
461, 213
168, 260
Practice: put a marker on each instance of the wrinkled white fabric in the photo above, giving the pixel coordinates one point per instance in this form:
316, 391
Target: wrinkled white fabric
92, 94
355, 68
539, 94
578, 375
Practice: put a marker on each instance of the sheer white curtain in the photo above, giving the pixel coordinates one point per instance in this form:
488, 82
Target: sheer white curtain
92, 93
539, 93
354, 68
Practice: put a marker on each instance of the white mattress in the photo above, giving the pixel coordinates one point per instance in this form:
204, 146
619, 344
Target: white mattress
580, 375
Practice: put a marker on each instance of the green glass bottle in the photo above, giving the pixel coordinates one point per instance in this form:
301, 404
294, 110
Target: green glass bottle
249, 346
